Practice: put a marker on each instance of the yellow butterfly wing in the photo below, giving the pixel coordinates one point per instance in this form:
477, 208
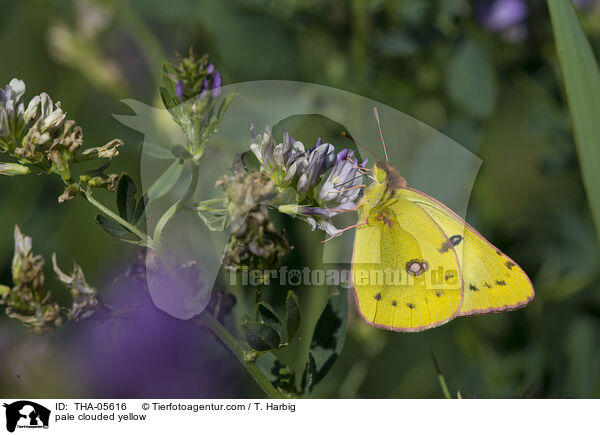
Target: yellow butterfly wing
492, 282
395, 254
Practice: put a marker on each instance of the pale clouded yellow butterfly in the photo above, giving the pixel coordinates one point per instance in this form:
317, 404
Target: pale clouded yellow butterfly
417, 265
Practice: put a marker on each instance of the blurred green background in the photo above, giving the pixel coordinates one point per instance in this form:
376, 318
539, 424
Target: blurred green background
483, 72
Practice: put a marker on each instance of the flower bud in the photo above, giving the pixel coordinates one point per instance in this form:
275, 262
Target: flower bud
12, 169
108, 151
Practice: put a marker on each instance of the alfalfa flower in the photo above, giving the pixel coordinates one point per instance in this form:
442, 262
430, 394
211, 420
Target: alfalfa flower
338, 192
195, 76
324, 183
44, 141
85, 297
12, 110
191, 91
108, 151
28, 300
320, 159
282, 162
243, 191
256, 244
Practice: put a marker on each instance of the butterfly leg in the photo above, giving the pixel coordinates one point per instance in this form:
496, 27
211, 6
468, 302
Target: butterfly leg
339, 233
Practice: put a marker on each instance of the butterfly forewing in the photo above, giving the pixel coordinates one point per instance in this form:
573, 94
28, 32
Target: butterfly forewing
402, 280
491, 280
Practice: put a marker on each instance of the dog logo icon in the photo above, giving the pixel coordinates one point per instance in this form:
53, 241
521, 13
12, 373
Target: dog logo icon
26, 414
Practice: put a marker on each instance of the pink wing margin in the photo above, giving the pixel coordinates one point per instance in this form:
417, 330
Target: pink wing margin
470, 228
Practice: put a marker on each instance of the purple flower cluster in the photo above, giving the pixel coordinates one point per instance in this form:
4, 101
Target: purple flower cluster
195, 77
211, 83
321, 182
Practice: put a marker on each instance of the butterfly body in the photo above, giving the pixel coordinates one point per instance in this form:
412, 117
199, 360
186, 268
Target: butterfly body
417, 265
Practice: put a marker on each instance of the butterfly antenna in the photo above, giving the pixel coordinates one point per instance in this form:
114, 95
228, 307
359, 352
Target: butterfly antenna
347, 136
335, 186
381, 133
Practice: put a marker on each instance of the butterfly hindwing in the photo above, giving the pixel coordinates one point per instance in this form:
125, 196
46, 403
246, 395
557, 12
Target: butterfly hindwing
492, 282
395, 257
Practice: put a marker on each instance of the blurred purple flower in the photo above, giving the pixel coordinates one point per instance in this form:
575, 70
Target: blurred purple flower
500, 15
151, 354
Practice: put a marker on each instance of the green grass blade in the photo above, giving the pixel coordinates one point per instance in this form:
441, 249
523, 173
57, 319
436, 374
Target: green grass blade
582, 85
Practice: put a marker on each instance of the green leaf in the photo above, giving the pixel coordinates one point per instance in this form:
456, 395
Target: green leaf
111, 227
471, 79
250, 161
310, 374
168, 91
582, 84
156, 151
328, 339
168, 99
269, 365
168, 70
280, 375
166, 181
269, 317
260, 336
126, 201
223, 107
292, 314
139, 216
181, 152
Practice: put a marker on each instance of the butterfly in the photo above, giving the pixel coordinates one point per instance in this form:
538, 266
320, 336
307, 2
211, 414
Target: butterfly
417, 265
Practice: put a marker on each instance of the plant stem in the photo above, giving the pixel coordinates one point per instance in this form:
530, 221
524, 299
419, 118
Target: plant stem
232, 345
444, 386
441, 378
257, 300
108, 212
166, 217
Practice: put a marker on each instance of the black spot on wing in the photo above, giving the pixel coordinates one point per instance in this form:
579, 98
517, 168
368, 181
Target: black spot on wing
438, 293
377, 296
449, 243
455, 240
410, 305
510, 265
394, 303
473, 288
501, 282
446, 246
487, 285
